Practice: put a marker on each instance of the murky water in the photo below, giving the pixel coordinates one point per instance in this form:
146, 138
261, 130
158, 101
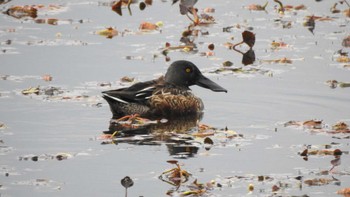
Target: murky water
70, 123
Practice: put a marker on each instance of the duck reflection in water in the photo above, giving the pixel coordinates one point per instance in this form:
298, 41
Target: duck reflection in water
166, 97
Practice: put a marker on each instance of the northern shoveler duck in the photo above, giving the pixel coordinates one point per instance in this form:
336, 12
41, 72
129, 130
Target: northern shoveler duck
168, 96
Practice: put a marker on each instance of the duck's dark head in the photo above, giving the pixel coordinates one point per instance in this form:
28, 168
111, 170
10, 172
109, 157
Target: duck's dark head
184, 74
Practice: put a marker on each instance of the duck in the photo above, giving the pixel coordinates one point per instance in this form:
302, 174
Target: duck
168, 96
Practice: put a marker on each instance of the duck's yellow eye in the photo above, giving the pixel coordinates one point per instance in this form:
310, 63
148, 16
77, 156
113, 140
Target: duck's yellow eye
188, 70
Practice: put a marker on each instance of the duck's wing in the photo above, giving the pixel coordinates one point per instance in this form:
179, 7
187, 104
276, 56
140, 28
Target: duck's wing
137, 93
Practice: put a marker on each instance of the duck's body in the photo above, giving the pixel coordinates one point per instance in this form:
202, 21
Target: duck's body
167, 96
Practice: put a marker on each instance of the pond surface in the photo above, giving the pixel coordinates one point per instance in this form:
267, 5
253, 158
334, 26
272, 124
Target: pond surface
52, 142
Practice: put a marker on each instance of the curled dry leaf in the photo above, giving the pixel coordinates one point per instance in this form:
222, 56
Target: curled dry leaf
347, 13
318, 181
149, 2
313, 124
147, 26
109, 32
340, 126
325, 152
172, 161
278, 45
344, 191
22, 11
31, 90
257, 7
343, 59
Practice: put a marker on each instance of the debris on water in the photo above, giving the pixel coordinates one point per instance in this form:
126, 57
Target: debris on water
175, 176
127, 79
278, 45
319, 126
148, 26
257, 7
321, 181
31, 90
22, 11
109, 32
346, 41
344, 191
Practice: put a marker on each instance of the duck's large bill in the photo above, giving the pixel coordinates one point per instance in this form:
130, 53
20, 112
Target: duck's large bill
207, 83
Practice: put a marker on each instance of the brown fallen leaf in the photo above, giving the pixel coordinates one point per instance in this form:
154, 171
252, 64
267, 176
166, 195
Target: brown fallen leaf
31, 90
52, 21
283, 60
109, 32
313, 124
147, 26
347, 13
149, 2
278, 45
340, 126
318, 181
325, 152
256, 7
22, 11
345, 191
343, 59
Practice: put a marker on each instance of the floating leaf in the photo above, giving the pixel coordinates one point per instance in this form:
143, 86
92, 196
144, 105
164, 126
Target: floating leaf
257, 7
343, 59
340, 126
31, 90
22, 11
127, 79
147, 26
172, 161
319, 181
117, 7
278, 45
345, 191
109, 32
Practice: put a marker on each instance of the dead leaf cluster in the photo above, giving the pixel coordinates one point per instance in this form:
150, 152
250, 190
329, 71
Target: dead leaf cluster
319, 126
